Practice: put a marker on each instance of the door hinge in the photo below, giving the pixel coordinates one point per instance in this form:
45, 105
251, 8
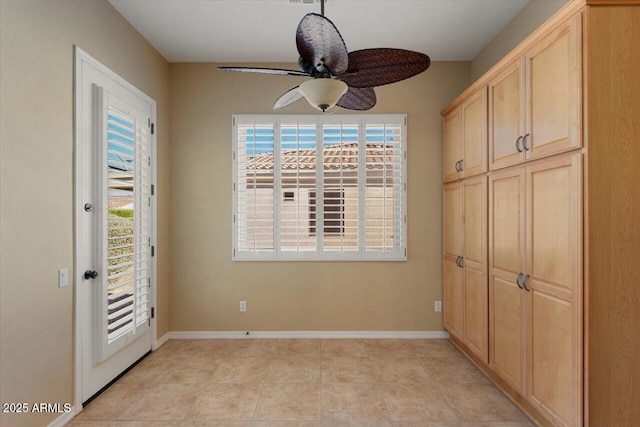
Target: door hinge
153, 128
153, 189
153, 312
153, 251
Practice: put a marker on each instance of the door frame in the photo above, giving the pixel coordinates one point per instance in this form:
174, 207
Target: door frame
81, 57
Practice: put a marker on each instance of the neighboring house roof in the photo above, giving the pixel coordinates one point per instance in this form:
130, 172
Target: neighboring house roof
336, 157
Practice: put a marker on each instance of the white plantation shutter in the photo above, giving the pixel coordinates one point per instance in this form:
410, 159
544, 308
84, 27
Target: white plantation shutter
319, 187
340, 182
298, 168
125, 211
254, 186
384, 182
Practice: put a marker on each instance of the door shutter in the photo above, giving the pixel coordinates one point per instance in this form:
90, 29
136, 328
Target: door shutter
124, 219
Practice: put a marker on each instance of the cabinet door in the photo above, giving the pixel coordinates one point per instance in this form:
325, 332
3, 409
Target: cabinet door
554, 303
474, 252
474, 134
507, 302
554, 83
506, 117
452, 144
453, 285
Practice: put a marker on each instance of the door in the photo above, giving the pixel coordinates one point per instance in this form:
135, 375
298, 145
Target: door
474, 134
453, 285
474, 264
507, 260
554, 88
115, 214
506, 116
452, 130
554, 277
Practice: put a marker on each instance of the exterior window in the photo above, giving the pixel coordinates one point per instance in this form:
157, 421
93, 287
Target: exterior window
283, 163
333, 215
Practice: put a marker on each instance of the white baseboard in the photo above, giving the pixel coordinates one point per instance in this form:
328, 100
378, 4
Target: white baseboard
211, 335
63, 419
160, 341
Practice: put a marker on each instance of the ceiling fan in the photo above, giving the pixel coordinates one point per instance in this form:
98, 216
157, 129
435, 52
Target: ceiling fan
339, 77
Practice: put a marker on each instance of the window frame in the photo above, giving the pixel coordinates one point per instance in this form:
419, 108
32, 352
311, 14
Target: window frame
362, 253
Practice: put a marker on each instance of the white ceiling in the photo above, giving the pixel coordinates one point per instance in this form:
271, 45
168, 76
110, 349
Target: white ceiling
264, 30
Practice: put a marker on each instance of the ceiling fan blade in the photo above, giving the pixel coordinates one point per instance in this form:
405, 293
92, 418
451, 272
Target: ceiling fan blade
288, 98
273, 71
360, 99
377, 67
321, 46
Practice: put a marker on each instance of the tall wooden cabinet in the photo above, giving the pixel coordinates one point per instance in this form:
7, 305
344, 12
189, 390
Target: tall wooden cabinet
465, 263
563, 221
535, 284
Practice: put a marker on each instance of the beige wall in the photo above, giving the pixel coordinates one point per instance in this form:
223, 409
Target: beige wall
36, 133
206, 285
534, 14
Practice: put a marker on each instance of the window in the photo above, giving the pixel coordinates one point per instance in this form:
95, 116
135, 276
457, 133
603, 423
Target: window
282, 164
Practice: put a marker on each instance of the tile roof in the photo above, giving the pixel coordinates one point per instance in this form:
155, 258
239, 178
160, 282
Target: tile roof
336, 157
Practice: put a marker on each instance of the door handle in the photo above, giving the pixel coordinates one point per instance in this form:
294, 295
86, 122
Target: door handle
90, 274
518, 280
518, 144
461, 262
524, 283
524, 142
458, 260
461, 163
458, 166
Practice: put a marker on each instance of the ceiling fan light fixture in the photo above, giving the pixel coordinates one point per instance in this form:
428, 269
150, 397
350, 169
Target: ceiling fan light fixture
323, 93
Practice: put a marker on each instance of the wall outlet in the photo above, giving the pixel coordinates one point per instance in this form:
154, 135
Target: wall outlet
63, 277
243, 306
438, 306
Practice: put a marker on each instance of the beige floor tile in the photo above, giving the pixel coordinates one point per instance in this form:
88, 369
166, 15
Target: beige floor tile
334, 423
242, 370
389, 348
265, 349
162, 402
344, 347
208, 348
481, 403
416, 402
429, 347
233, 402
172, 348
298, 347
145, 424
112, 403
295, 369
352, 402
347, 369
216, 424
286, 424
289, 402
90, 424
189, 370
399, 370
463, 424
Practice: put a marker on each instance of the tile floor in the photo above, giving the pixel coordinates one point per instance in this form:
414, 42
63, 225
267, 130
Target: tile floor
298, 382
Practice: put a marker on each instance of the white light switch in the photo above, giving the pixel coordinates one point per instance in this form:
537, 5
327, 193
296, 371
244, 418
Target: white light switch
63, 277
